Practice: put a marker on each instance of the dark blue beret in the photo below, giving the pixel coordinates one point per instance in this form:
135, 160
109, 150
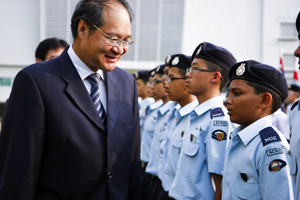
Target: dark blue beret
298, 22
160, 69
256, 72
294, 87
181, 61
215, 54
143, 74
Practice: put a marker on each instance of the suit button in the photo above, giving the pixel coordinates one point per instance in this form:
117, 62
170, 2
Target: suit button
109, 175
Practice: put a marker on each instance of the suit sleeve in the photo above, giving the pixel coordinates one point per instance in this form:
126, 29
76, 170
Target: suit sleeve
134, 182
22, 139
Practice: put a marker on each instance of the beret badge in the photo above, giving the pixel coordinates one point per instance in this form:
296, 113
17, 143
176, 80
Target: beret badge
199, 49
175, 60
240, 70
168, 59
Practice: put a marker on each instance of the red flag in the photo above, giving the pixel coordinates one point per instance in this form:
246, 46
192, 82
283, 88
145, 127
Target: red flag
281, 62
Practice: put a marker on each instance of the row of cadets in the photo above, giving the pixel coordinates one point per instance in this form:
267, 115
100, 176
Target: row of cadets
200, 164
170, 147
163, 114
294, 121
147, 133
142, 78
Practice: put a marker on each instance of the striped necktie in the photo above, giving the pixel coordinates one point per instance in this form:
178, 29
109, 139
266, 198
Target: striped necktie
94, 79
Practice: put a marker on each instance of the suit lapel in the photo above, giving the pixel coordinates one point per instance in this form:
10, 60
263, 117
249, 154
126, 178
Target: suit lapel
114, 95
77, 91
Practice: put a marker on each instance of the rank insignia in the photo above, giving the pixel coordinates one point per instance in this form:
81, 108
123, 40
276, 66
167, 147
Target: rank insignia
219, 135
276, 165
240, 70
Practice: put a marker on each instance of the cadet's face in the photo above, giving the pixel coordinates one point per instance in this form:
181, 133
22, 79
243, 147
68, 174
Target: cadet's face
54, 53
141, 88
158, 90
166, 75
94, 49
196, 81
149, 86
242, 103
297, 51
176, 88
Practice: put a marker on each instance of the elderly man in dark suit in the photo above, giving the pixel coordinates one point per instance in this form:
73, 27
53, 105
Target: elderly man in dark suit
71, 126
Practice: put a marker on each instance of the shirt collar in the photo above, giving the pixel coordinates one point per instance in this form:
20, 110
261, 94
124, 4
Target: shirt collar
146, 102
251, 131
207, 105
166, 107
83, 70
155, 105
187, 109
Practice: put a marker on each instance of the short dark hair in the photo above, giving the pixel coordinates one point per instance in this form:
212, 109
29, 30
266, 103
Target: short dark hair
91, 11
259, 88
49, 44
222, 70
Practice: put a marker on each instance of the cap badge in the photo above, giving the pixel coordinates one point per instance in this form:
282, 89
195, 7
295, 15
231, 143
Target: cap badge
137, 75
240, 70
157, 69
175, 61
199, 49
168, 59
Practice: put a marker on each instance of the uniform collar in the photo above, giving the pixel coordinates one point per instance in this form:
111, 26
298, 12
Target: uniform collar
155, 104
251, 131
146, 102
207, 105
186, 109
166, 107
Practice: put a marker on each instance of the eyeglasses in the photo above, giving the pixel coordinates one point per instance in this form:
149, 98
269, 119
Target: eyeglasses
191, 70
155, 81
114, 41
169, 79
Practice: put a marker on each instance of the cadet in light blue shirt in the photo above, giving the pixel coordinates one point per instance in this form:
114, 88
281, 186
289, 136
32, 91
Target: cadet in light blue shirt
295, 129
257, 161
200, 164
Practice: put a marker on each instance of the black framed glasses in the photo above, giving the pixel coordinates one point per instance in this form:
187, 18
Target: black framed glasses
155, 81
191, 70
114, 41
170, 79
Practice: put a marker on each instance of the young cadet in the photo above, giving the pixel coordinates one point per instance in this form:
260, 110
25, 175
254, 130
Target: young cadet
202, 152
257, 157
177, 91
159, 128
141, 82
295, 129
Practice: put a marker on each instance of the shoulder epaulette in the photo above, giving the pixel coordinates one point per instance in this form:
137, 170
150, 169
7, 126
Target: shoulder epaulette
216, 112
294, 105
269, 135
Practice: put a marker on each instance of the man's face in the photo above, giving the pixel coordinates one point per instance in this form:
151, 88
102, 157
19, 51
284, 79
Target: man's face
297, 51
166, 74
157, 87
242, 103
54, 53
175, 88
149, 86
95, 49
141, 88
291, 97
197, 81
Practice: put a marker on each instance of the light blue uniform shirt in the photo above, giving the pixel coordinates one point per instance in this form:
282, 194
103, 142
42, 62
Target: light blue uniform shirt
203, 151
162, 117
164, 141
294, 120
175, 138
257, 164
148, 130
142, 111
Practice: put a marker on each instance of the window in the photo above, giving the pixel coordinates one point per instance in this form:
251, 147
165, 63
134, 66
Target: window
156, 29
288, 31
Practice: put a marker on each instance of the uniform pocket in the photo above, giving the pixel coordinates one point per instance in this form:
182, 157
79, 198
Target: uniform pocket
190, 162
246, 190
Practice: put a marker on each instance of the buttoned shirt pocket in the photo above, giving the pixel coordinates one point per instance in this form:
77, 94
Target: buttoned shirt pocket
190, 161
246, 190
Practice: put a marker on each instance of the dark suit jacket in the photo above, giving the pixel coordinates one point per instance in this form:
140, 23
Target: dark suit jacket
54, 146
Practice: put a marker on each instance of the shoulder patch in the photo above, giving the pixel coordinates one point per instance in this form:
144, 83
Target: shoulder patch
294, 105
219, 135
269, 135
216, 112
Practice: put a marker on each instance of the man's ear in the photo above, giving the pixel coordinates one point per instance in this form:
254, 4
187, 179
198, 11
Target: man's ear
266, 100
217, 76
82, 29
